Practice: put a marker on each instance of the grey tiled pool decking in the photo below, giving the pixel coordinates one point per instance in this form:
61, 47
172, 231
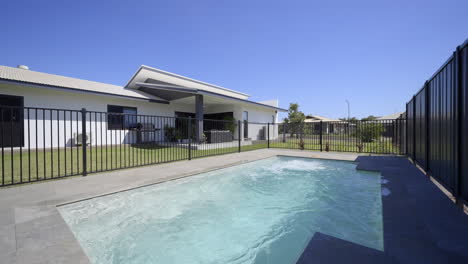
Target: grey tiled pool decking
421, 224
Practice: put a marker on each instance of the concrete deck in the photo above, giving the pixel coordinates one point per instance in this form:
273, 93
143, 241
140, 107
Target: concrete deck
421, 223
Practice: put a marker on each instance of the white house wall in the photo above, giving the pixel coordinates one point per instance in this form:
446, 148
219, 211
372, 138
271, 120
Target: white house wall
61, 133
53, 133
262, 116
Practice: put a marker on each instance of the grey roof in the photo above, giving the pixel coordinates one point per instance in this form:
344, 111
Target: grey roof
317, 118
392, 116
33, 77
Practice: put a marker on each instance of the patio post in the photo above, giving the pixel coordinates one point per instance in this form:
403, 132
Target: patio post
199, 116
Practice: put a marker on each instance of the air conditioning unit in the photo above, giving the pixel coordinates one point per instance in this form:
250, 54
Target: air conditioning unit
79, 139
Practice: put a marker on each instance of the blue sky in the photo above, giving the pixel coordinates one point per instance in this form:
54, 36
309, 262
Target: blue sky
376, 54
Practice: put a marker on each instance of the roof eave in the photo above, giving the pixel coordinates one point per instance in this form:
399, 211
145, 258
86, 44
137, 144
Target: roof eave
33, 84
182, 77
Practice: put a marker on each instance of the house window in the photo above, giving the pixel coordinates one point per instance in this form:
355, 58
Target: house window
11, 121
245, 117
124, 117
273, 119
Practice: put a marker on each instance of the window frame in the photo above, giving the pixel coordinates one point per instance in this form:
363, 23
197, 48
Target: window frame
116, 118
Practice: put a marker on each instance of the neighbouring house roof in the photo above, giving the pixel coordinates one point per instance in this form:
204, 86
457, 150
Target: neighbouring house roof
392, 116
317, 118
52, 80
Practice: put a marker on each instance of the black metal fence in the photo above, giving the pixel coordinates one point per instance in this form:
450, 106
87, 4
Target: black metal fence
40, 144
438, 125
375, 136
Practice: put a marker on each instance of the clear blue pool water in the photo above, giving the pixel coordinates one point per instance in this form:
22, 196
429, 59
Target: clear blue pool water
259, 212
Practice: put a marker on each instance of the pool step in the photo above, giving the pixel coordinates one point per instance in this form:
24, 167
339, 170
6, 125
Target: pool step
324, 249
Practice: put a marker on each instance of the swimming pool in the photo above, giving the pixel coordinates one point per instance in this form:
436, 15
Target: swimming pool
259, 212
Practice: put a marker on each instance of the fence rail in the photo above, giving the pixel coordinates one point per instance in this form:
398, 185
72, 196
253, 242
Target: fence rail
41, 143
438, 125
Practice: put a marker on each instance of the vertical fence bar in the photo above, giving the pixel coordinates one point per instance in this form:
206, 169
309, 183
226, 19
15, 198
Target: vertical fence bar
189, 138
52, 146
11, 146
239, 135
427, 125
414, 128
77, 149
29, 148
407, 130
321, 135
44, 142
21, 112
3, 147
37, 146
83, 139
58, 145
268, 134
458, 131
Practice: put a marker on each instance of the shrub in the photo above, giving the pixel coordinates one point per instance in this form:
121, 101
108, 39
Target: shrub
368, 132
360, 147
231, 124
301, 144
170, 133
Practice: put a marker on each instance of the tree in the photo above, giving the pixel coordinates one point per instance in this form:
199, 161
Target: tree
295, 119
369, 118
352, 119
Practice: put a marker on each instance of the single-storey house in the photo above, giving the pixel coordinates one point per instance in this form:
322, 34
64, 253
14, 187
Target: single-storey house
148, 94
329, 125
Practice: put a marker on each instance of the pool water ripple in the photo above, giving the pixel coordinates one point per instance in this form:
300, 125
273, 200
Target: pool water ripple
259, 212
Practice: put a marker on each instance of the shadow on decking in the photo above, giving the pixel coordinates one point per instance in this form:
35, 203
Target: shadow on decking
421, 224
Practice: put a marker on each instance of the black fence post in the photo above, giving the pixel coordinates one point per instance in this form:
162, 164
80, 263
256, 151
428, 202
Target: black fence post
239, 134
427, 121
458, 75
268, 134
84, 140
321, 134
406, 130
414, 128
190, 138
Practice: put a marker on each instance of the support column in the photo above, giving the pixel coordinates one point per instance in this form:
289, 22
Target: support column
199, 116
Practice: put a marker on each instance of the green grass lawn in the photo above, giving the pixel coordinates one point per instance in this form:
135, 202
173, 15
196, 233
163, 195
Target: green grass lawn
51, 164
383, 146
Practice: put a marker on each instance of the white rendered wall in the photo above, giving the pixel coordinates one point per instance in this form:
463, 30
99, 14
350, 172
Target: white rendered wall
53, 132
263, 116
